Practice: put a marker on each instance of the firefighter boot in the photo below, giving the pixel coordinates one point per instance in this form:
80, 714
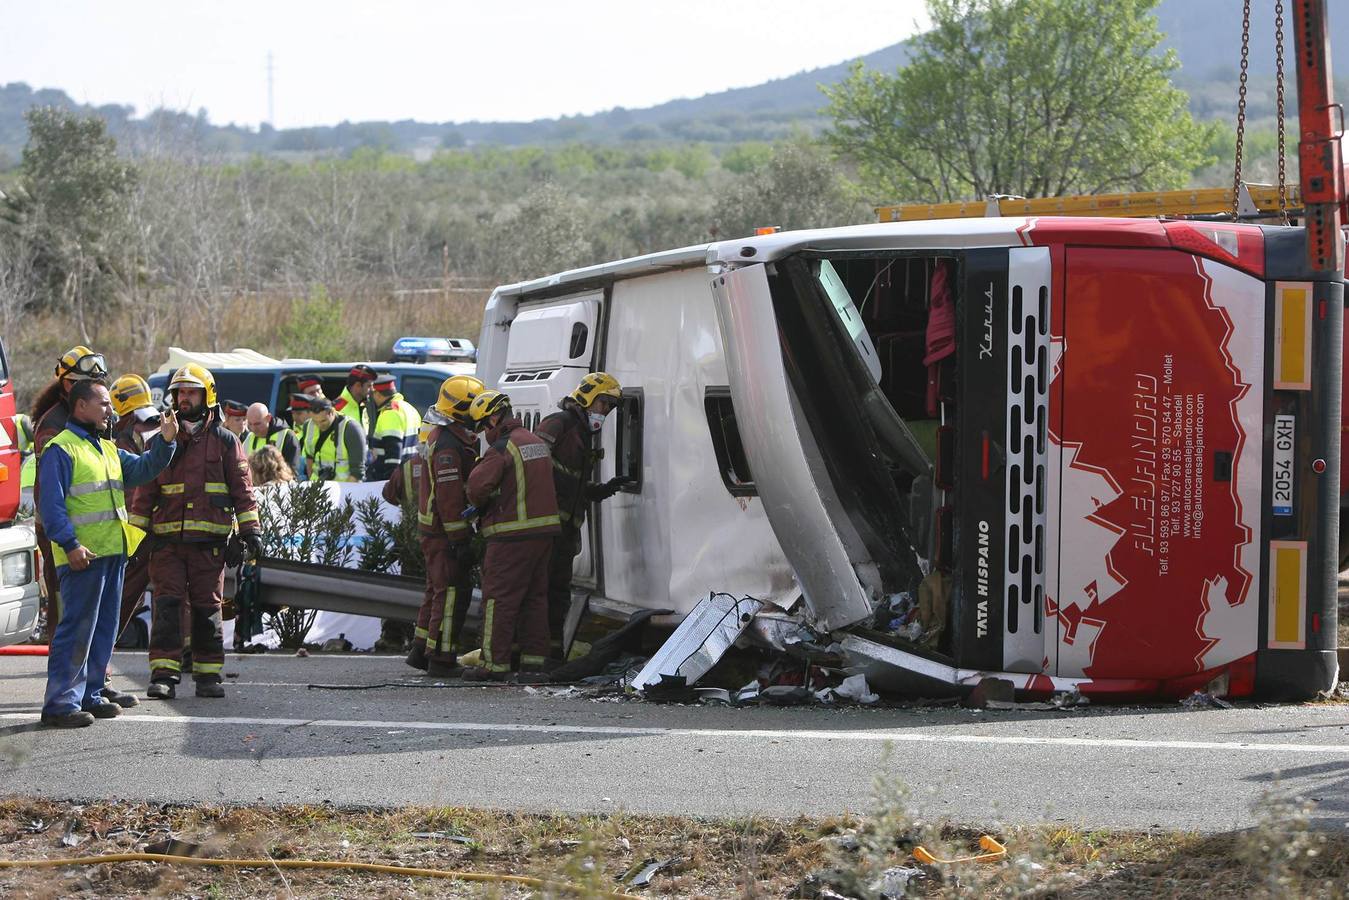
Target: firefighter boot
121, 698
478, 673
417, 657
210, 687
438, 668
161, 689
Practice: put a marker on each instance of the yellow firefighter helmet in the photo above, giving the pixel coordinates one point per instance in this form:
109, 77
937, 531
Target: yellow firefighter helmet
456, 396
597, 384
129, 393
193, 375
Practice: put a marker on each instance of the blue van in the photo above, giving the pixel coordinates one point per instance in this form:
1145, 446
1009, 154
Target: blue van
250, 377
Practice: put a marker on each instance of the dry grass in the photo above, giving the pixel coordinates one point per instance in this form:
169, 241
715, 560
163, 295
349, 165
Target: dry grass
722, 858
374, 315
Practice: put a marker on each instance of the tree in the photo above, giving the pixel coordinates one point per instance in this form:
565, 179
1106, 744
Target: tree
70, 208
1028, 97
798, 186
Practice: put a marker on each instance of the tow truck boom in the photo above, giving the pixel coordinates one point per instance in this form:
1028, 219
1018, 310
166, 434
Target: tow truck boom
1319, 164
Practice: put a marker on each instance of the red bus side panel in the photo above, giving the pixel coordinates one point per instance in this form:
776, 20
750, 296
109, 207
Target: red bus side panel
1162, 373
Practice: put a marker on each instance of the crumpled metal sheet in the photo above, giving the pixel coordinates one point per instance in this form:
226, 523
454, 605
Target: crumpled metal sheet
700, 640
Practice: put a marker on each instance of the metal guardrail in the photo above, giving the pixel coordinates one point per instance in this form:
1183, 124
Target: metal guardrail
336, 589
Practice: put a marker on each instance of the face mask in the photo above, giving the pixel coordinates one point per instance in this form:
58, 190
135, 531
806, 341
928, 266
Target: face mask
596, 422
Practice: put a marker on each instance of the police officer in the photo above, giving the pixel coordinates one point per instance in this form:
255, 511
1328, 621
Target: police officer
266, 429
512, 485
396, 425
571, 434
334, 448
352, 401
235, 417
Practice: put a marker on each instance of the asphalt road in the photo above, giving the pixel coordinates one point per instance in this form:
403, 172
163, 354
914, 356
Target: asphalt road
275, 740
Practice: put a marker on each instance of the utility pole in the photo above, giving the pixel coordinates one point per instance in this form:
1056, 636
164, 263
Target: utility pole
271, 97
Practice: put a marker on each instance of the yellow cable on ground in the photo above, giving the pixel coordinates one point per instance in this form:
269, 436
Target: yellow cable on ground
303, 864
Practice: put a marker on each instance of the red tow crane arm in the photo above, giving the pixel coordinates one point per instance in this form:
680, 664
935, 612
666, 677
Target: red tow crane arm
1319, 160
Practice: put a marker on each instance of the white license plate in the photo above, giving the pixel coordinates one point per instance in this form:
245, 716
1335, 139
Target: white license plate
1285, 427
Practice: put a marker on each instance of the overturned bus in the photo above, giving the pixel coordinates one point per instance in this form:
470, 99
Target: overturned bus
1095, 454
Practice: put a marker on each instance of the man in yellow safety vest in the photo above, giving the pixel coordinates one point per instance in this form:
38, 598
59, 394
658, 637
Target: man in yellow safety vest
83, 508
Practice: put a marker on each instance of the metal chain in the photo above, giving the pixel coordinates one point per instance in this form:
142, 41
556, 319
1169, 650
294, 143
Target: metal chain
1278, 86
1241, 103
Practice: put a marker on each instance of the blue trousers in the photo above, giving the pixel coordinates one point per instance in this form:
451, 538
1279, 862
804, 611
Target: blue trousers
81, 648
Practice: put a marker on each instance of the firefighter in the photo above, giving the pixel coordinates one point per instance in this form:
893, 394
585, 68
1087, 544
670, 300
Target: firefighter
50, 412
191, 509
234, 417
571, 434
512, 486
352, 401
137, 420
84, 507
264, 429
334, 447
451, 451
396, 425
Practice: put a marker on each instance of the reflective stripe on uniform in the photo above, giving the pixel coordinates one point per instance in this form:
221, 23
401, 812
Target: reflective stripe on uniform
174, 487
160, 663
139, 521
246, 517
522, 520
89, 487
205, 668
106, 515
216, 487
191, 525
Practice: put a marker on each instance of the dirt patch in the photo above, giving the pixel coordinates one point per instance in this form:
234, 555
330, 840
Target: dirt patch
712, 858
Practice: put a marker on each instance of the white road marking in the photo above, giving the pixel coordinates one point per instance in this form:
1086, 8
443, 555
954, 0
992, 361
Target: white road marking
898, 736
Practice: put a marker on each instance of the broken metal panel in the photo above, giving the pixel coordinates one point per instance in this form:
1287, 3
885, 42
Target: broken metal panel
700, 640
796, 497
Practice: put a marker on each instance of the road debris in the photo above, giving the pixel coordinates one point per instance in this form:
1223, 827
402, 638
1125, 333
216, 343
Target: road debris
704, 636
640, 874
854, 688
1204, 700
444, 836
990, 689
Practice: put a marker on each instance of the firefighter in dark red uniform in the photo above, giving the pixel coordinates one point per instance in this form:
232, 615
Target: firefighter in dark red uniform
512, 486
137, 420
570, 434
190, 509
451, 451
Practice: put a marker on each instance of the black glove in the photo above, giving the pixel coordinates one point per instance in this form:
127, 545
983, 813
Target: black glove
253, 541
608, 489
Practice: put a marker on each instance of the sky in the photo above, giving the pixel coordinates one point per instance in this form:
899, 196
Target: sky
431, 61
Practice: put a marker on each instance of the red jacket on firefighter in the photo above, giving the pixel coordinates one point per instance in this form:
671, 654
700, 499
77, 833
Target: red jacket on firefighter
136, 419
513, 486
201, 494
